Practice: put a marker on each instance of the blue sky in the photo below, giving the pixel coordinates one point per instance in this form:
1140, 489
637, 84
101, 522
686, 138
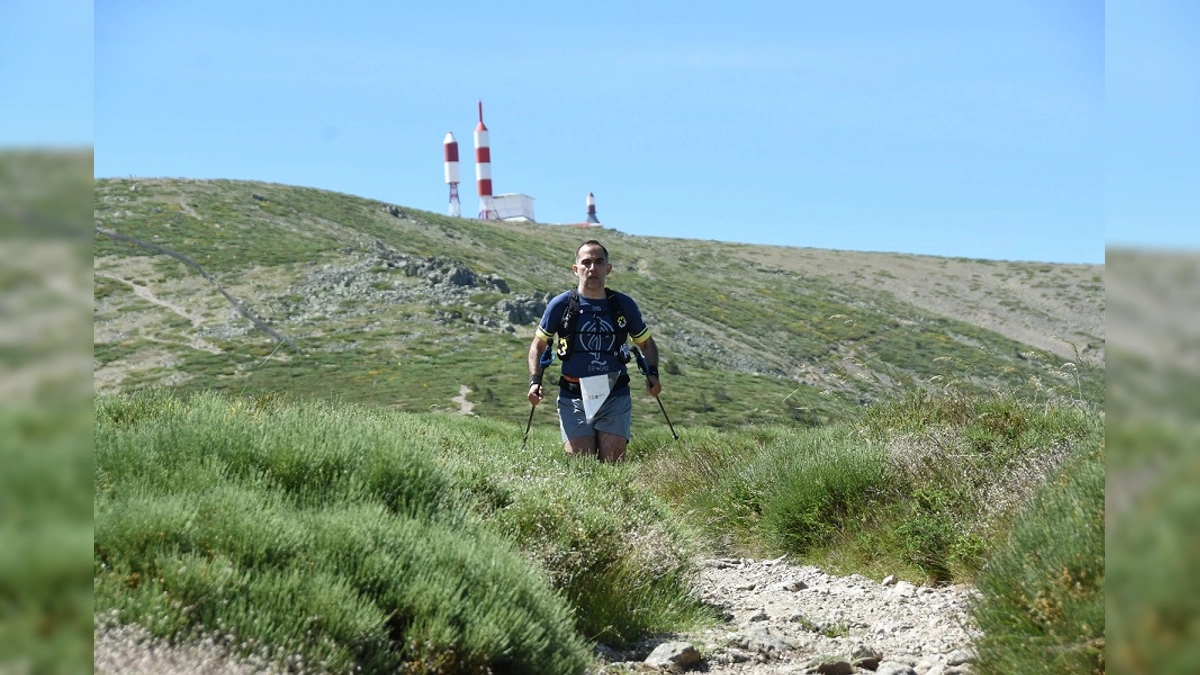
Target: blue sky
46, 73
1152, 114
942, 128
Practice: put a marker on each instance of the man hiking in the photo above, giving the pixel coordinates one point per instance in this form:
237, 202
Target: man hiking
587, 329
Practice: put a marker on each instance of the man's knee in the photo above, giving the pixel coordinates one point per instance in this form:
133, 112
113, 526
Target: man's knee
611, 447
580, 447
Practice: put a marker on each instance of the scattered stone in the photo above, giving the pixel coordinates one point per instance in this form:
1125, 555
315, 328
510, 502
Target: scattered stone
677, 656
606, 653
835, 668
958, 657
863, 656
894, 668
372, 278
770, 629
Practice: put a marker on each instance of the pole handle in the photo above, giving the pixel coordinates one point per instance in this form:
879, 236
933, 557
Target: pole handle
641, 361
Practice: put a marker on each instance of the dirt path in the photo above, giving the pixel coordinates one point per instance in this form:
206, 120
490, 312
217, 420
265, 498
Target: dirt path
465, 407
187, 208
148, 295
781, 617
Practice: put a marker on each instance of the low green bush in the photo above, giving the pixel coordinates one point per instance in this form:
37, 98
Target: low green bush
329, 533
924, 486
819, 482
960, 468
1042, 606
618, 553
1153, 591
45, 528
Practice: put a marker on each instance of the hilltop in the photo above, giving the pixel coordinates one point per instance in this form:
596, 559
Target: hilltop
404, 308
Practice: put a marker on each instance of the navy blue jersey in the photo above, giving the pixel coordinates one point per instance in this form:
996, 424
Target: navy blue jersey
596, 348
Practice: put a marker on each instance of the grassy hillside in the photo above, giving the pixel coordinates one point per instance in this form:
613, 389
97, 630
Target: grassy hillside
403, 308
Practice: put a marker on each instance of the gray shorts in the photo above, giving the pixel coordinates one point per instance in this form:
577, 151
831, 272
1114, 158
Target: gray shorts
614, 417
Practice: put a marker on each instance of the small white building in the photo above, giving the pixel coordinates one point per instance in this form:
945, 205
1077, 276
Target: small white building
513, 206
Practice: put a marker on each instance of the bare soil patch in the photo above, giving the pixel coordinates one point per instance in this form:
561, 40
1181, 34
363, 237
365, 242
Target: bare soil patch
1046, 306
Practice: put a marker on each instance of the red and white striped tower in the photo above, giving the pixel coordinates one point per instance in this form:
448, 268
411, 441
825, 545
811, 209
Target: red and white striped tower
483, 170
591, 210
450, 152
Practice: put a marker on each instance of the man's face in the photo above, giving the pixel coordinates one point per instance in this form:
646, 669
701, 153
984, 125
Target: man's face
591, 266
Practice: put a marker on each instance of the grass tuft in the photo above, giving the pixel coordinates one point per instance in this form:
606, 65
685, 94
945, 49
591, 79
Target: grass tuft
330, 533
1042, 595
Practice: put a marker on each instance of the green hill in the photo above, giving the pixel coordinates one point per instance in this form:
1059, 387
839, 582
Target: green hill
413, 532
397, 307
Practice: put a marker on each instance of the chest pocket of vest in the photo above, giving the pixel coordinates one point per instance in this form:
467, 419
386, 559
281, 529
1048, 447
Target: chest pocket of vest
564, 345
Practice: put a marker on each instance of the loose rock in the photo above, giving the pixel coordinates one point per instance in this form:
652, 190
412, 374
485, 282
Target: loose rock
784, 618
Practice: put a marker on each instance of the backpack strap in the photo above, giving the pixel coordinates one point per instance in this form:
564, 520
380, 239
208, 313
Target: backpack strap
565, 344
620, 324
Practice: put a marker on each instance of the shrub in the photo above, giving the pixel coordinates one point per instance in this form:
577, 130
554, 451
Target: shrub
819, 485
45, 526
1041, 607
961, 467
328, 532
616, 553
1153, 591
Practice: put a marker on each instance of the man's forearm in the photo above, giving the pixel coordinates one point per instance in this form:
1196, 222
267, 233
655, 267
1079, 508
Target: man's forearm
650, 353
534, 358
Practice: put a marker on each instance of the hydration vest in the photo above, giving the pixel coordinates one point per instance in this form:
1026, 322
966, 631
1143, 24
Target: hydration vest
565, 342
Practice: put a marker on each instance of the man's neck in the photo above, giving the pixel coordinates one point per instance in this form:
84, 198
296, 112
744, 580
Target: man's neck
592, 294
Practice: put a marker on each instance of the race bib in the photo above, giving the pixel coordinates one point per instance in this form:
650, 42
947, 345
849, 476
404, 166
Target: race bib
594, 391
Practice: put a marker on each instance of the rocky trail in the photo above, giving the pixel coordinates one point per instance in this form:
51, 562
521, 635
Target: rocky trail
784, 618
779, 618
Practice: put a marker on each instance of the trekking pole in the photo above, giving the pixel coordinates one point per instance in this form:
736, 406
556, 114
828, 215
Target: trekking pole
641, 362
544, 362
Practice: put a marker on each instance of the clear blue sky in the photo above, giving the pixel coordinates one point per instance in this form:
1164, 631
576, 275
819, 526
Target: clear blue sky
1152, 111
947, 128
46, 73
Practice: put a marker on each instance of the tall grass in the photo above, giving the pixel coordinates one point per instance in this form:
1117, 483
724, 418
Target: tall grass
617, 553
329, 534
924, 486
1042, 595
1153, 513
45, 526
349, 538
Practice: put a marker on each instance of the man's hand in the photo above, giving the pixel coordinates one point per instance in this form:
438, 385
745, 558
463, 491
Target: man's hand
653, 385
540, 357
